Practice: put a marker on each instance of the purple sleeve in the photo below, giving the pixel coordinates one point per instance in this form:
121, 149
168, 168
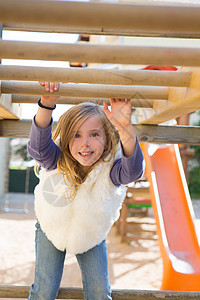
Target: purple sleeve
128, 169
42, 148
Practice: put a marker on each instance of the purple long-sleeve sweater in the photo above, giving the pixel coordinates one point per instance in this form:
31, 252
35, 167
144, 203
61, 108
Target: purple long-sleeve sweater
43, 149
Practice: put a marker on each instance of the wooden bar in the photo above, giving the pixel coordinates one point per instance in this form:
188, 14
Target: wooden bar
174, 111
181, 101
94, 53
15, 292
168, 134
87, 90
150, 18
148, 103
95, 76
100, 31
145, 133
139, 192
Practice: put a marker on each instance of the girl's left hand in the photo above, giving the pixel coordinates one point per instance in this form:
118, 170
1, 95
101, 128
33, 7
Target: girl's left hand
120, 114
120, 117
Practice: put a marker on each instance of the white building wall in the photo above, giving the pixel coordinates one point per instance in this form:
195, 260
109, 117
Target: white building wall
3, 150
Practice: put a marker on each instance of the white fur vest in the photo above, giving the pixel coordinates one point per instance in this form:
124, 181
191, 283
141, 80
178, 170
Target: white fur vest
78, 224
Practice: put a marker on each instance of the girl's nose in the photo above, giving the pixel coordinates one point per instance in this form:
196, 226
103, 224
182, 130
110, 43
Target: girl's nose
85, 141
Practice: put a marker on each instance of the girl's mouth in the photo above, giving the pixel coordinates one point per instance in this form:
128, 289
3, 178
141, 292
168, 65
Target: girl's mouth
85, 154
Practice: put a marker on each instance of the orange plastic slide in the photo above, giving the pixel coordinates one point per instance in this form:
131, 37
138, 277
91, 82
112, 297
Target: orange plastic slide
175, 219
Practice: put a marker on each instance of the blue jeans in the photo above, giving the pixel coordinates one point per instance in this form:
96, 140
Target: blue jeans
49, 269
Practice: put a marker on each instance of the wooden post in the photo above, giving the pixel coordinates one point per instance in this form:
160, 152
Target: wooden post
122, 220
95, 76
94, 53
1, 30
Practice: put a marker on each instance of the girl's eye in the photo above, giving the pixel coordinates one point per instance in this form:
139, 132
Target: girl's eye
95, 134
77, 135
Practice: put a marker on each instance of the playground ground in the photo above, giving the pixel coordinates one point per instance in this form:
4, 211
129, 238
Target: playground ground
136, 265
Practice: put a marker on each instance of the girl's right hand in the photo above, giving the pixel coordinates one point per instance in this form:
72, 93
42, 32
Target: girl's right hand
51, 87
43, 116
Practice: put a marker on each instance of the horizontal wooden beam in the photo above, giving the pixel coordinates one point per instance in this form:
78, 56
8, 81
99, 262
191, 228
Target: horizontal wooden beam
147, 103
149, 18
168, 134
101, 31
145, 133
95, 76
87, 90
76, 293
94, 53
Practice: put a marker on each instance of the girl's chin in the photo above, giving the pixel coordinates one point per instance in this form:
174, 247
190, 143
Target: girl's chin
86, 166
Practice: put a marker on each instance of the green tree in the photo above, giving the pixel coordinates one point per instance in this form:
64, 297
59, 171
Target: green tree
194, 173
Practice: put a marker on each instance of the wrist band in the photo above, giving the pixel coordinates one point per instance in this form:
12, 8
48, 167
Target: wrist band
46, 107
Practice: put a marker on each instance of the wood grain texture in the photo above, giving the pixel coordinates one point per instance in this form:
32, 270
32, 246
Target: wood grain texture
95, 76
15, 292
102, 16
87, 90
98, 53
145, 133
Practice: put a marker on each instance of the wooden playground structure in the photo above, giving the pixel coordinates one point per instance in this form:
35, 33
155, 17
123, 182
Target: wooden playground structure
161, 96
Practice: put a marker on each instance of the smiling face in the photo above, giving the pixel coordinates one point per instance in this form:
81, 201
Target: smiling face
88, 143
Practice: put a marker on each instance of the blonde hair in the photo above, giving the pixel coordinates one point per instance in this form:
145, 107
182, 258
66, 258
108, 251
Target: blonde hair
66, 130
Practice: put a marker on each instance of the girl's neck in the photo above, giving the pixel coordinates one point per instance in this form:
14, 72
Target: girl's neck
83, 170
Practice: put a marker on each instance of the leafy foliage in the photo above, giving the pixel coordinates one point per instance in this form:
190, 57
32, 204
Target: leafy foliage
194, 173
194, 182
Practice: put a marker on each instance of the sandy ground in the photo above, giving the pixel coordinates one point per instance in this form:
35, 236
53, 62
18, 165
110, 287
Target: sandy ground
135, 265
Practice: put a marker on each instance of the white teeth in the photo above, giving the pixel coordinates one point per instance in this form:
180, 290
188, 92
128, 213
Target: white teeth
84, 154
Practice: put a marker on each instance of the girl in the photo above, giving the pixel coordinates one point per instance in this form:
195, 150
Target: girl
81, 189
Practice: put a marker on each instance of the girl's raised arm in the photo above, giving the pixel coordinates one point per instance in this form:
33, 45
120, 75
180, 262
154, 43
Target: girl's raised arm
120, 117
46, 105
41, 146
